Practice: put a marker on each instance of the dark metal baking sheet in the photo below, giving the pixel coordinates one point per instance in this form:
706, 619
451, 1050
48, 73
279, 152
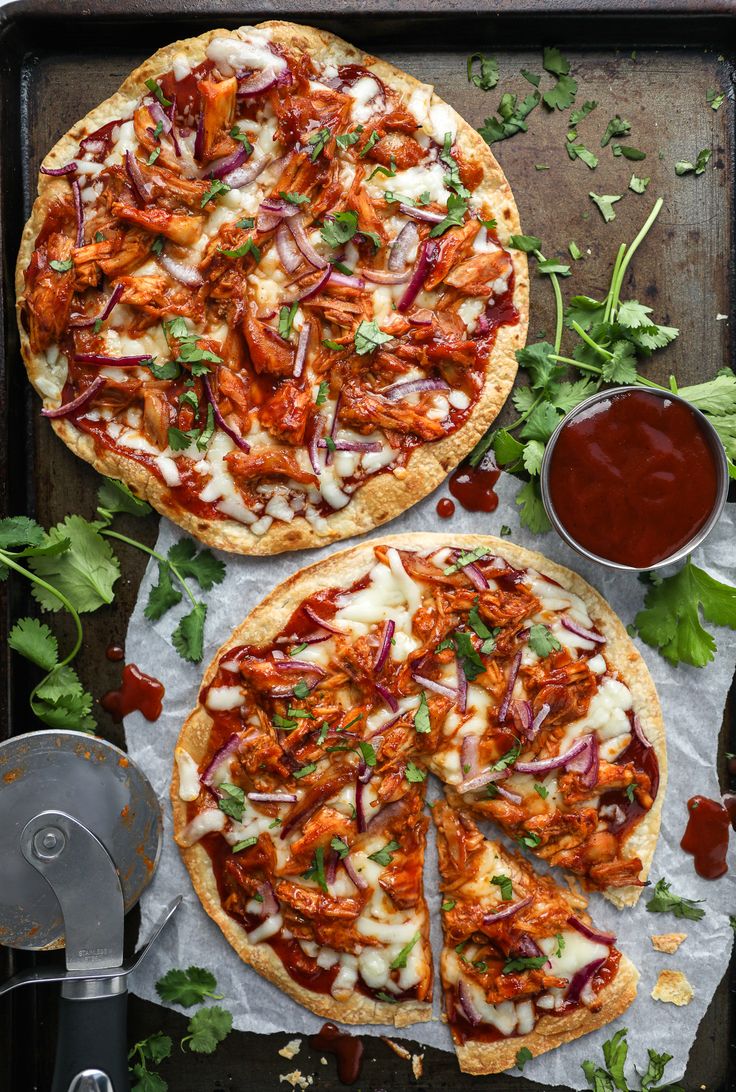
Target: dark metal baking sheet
652, 62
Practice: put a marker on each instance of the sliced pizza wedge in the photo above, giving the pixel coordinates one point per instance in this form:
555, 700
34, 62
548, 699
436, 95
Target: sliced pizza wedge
521, 967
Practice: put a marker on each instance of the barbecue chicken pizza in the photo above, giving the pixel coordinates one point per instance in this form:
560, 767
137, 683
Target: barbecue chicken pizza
300, 777
267, 285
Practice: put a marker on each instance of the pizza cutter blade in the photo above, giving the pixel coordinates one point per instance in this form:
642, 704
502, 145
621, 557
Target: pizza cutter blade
80, 838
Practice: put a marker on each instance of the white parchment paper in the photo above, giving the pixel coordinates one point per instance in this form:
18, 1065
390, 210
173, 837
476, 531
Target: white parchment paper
692, 700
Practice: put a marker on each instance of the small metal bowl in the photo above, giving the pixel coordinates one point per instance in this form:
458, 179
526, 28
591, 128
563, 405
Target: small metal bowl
722, 479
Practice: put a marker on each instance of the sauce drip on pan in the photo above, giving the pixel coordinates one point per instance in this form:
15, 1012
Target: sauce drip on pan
115, 653
347, 1048
445, 508
706, 834
138, 691
474, 486
633, 478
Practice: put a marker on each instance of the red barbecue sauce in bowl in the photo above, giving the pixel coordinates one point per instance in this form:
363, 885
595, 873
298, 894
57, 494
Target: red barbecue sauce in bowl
633, 477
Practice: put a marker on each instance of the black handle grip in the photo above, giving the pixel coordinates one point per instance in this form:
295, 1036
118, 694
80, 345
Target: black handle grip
92, 1036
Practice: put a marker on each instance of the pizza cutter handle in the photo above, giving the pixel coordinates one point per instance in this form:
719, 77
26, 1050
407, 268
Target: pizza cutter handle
92, 1050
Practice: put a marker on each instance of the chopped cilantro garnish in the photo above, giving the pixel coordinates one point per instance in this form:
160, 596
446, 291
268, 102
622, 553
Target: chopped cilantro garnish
384, 856
519, 964
421, 716
286, 319
456, 209
541, 791
697, 167
370, 142
339, 228
400, 960
294, 198
305, 771
245, 844
506, 886
604, 203
486, 77
318, 140
323, 391
368, 337
216, 187
341, 848
61, 267
413, 773
345, 140
664, 901
543, 641
155, 89
248, 247
448, 904
232, 800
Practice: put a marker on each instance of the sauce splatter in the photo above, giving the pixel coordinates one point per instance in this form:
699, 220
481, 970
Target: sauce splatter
138, 691
706, 835
474, 486
445, 508
115, 653
347, 1048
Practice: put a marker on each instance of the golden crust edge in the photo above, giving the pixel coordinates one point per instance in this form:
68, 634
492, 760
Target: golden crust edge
382, 498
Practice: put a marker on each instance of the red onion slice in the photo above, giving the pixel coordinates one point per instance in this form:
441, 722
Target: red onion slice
422, 214
180, 271
260, 80
581, 631
315, 287
302, 665
405, 241
345, 281
521, 711
380, 276
314, 430
469, 756
541, 716
398, 391
159, 115
297, 229
435, 687
462, 688
476, 577
112, 361
333, 428
301, 350
78, 402
512, 797
222, 424
506, 911
547, 764
55, 172
243, 176
354, 875
466, 1005
638, 731
314, 617
141, 189
289, 254
221, 168
382, 654
503, 711
199, 137
387, 697
427, 257
586, 763
472, 784
272, 797
80, 322
78, 211
353, 445
270, 905
359, 808
229, 748
582, 978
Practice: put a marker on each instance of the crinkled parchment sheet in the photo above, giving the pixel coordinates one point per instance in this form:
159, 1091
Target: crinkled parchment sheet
692, 700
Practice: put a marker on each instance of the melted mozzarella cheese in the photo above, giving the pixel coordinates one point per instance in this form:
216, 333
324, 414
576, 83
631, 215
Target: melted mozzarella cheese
205, 823
188, 775
249, 50
224, 697
363, 92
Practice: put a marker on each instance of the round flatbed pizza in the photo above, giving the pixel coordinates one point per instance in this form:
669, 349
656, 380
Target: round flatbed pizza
300, 778
268, 285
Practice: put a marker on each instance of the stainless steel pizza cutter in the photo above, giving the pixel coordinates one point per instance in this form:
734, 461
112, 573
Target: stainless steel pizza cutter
80, 837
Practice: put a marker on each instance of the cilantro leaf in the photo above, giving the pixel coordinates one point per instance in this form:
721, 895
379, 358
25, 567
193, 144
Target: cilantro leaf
506, 447
248, 247
114, 496
551, 265
384, 856
207, 1028
543, 641
532, 514
413, 774
577, 115
231, 800
616, 127
568, 395
339, 228
19, 531
505, 885
470, 662
372, 140
584, 310
621, 367
523, 1055
670, 620
543, 371
35, 641
714, 98
532, 457
202, 565
340, 847
368, 337
286, 319
155, 89
61, 701
638, 185
215, 189
452, 178
85, 573
562, 95
400, 960
554, 62
615, 1052
664, 901
188, 987
61, 267
188, 637
628, 152
512, 118
527, 243
633, 314
487, 76
162, 596
604, 203
523, 963
478, 626
541, 423
422, 722
575, 251
156, 1048
697, 167
145, 1081
579, 151
294, 198
456, 209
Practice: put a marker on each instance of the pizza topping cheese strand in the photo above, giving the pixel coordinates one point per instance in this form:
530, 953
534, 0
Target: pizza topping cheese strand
299, 275
325, 736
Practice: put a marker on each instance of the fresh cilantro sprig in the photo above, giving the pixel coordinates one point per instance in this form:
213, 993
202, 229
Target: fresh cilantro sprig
512, 113
207, 1028
612, 1074
664, 901
187, 987
153, 1050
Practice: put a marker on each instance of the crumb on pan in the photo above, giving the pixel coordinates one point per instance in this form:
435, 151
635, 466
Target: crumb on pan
668, 942
291, 1049
417, 1065
296, 1079
397, 1048
673, 988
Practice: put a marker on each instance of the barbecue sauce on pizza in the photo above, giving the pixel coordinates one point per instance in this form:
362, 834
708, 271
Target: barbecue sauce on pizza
633, 478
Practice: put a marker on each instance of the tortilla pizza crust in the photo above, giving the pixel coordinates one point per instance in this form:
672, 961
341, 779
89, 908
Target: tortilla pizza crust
267, 619
477, 1057
382, 496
